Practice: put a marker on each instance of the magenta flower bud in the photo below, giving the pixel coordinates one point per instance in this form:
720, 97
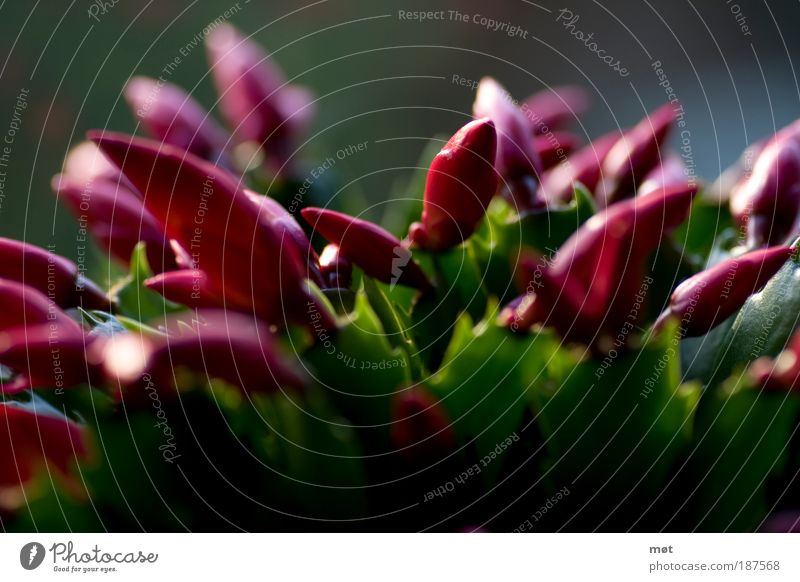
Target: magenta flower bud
780, 374
47, 355
186, 287
336, 270
380, 254
86, 164
208, 212
517, 160
769, 200
554, 147
25, 306
739, 171
117, 219
169, 114
555, 107
584, 166
671, 172
290, 231
420, 429
229, 346
56, 276
460, 184
710, 297
633, 156
254, 97
590, 288
32, 442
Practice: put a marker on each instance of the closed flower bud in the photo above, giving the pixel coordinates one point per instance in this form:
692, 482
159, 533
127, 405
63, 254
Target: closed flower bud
517, 161
49, 355
290, 231
633, 156
206, 210
708, 298
737, 172
460, 184
25, 306
254, 97
223, 345
380, 254
768, 201
671, 172
85, 164
780, 374
555, 107
34, 441
420, 429
554, 147
592, 286
116, 219
189, 287
49, 273
583, 166
171, 115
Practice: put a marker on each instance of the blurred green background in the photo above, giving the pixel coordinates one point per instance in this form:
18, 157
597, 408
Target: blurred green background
381, 77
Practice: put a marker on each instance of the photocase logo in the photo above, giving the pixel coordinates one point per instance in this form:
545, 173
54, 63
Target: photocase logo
401, 258
31, 555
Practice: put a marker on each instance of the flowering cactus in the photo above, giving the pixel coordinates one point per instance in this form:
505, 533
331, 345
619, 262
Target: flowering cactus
295, 369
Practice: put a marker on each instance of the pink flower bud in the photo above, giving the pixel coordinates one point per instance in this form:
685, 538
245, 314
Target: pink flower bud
224, 345
555, 107
460, 184
379, 253
553, 148
188, 287
47, 356
117, 219
517, 160
780, 374
25, 306
32, 441
671, 172
590, 288
208, 212
290, 231
49, 273
255, 99
584, 166
769, 200
171, 115
710, 297
634, 155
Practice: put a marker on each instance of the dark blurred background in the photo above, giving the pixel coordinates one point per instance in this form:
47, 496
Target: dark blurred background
730, 63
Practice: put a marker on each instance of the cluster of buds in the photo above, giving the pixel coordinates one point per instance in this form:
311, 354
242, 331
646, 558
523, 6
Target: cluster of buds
589, 290
241, 271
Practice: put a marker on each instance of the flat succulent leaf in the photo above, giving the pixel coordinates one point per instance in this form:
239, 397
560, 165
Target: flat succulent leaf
617, 423
764, 324
358, 366
741, 442
133, 299
482, 384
